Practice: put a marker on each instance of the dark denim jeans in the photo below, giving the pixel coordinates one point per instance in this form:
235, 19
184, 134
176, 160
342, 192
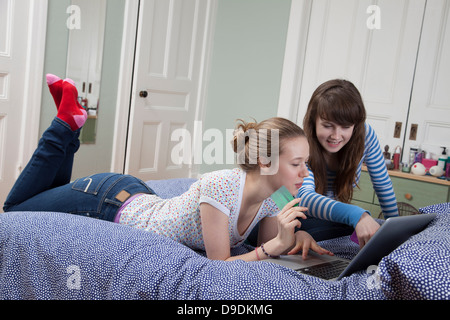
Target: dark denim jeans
44, 184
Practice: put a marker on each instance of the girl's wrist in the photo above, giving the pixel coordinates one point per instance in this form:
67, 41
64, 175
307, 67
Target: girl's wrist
271, 249
268, 255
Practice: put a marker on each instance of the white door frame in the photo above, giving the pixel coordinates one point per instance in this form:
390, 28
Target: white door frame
126, 71
27, 133
294, 57
124, 95
34, 76
32, 89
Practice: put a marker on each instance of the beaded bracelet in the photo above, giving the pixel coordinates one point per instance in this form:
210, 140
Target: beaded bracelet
273, 257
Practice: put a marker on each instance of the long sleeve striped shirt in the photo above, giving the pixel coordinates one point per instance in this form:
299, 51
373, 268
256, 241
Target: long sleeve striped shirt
327, 208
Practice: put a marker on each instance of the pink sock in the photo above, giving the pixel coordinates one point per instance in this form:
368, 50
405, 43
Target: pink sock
70, 111
55, 86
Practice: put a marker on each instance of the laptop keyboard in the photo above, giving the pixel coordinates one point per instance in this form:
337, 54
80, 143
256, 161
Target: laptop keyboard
327, 270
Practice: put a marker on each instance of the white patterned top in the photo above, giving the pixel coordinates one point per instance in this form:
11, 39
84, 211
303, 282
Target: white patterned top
179, 217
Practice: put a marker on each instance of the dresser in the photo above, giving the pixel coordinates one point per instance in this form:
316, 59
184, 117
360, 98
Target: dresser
418, 191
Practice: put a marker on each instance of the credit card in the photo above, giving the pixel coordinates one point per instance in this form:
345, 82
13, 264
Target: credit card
282, 197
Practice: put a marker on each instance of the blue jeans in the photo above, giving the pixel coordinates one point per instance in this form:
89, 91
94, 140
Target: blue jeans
44, 184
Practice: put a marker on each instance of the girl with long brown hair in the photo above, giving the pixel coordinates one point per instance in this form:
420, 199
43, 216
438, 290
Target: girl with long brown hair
340, 141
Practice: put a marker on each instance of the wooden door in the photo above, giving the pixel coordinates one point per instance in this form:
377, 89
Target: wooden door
379, 61
21, 65
430, 100
168, 84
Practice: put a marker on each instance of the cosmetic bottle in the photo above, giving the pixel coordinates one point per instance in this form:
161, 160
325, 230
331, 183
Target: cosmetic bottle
443, 159
412, 155
397, 157
447, 172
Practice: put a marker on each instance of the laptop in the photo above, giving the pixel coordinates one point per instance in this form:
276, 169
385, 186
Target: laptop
392, 233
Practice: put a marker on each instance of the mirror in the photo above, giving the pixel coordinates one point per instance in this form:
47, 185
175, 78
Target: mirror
91, 55
86, 26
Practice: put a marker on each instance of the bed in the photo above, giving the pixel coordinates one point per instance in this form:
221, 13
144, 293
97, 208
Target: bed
51, 255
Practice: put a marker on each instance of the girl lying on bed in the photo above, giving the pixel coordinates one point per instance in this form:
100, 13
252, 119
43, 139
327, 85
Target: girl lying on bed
216, 214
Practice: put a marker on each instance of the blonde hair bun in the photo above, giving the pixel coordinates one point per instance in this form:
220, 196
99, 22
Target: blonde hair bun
255, 143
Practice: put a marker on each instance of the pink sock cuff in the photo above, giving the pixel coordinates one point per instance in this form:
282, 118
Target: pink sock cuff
70, 81
51, 79
80, 119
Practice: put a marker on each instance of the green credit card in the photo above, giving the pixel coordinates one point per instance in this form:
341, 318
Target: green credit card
282, 197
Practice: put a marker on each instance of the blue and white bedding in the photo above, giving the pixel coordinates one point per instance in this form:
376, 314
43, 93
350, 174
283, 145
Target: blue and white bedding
50, 255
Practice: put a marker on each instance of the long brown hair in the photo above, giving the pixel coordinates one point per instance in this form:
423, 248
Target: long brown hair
340, 102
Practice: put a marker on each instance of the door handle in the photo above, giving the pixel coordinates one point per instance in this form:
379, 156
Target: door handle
397, 130
143, 94
413, 132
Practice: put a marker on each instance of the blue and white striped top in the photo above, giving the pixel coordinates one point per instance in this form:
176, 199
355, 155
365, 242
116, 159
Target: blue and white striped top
327, 208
